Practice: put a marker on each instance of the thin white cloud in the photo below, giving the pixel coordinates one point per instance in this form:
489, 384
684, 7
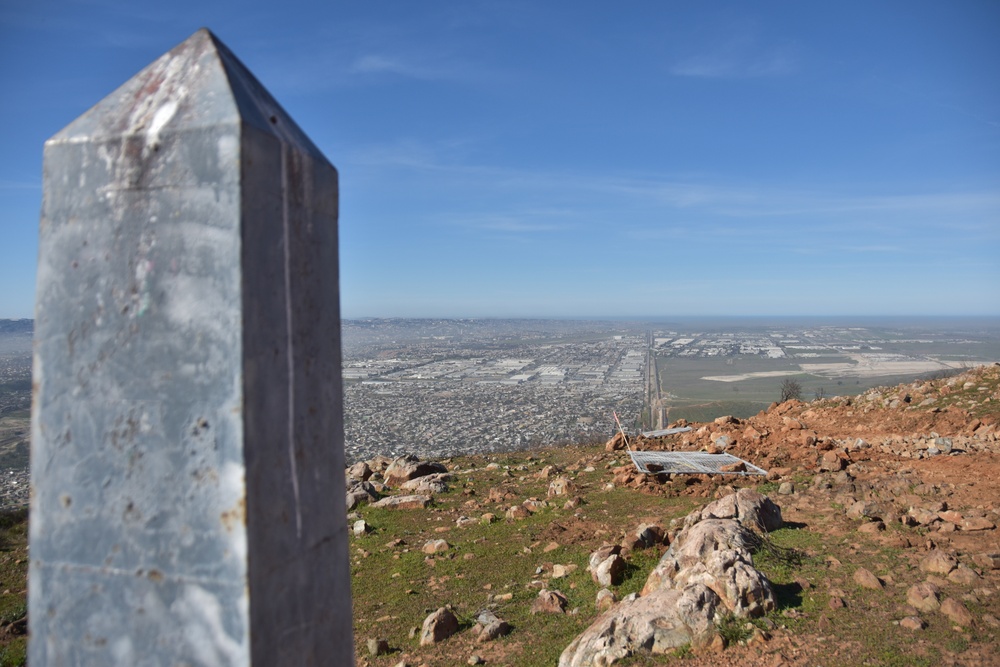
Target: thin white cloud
518, 226
20, 185
731, 66
433, 69
738, 52
527, 221
693, 209
751, 201
879, 249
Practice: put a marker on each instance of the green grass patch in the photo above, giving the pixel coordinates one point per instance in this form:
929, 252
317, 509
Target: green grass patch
14, 575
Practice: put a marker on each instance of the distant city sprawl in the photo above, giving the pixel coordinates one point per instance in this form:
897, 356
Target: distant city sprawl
441, 387
444, 387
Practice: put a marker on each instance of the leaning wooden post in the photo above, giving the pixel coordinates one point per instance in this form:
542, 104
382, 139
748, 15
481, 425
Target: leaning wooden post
187, 436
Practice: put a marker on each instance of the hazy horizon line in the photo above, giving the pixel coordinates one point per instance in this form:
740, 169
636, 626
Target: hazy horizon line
627, 318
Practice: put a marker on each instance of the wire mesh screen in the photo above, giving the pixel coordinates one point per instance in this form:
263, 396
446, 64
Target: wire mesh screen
666, 431
693, 463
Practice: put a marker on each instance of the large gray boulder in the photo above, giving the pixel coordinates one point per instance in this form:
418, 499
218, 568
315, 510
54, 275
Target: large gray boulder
716, 553
361, 492
706, 573
659, 622
696, 543
404, 502
408, 467
730, 573
438, 626
428, 484
754, 510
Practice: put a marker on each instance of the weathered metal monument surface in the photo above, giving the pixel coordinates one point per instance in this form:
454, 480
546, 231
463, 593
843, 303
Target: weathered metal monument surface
187, 435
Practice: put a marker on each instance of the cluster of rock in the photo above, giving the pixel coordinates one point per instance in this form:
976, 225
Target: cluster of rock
942, 567
442, 624
902, 422
971, 388
705, 575
369, 481
15, 488
901, 499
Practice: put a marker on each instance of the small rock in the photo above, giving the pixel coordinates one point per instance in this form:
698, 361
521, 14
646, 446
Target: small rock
951, 516
404, 502
435, 547
649, 535
938, 562
603, 552
518, 512
561, 486
923, 597
912, 623
377, 647
977, 523
956, 612
493, 630
361, 527
610, 571
871, 527
476, 660
864, 578
438, 626
406, 468
359, 471
605, 600
964, 575
831, 462
987, 561
559, 571
786, 489
549, 602
943, 444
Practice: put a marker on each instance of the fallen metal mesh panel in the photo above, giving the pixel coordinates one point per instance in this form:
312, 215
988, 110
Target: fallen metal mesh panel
691, 463
666, 431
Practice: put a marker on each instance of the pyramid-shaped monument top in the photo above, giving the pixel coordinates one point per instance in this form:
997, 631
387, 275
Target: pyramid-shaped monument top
188, 500
199, 83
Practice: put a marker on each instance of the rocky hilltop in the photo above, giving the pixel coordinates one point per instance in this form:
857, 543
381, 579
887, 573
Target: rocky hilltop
872, 540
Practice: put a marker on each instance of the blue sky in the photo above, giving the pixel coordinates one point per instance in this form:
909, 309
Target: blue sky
586, 158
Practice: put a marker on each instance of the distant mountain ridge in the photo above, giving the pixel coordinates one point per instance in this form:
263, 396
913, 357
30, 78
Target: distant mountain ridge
16, 327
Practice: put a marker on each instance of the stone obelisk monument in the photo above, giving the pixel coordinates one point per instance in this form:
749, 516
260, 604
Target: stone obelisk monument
187, 437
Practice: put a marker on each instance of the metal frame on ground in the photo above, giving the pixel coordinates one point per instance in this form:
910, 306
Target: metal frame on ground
690, 463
